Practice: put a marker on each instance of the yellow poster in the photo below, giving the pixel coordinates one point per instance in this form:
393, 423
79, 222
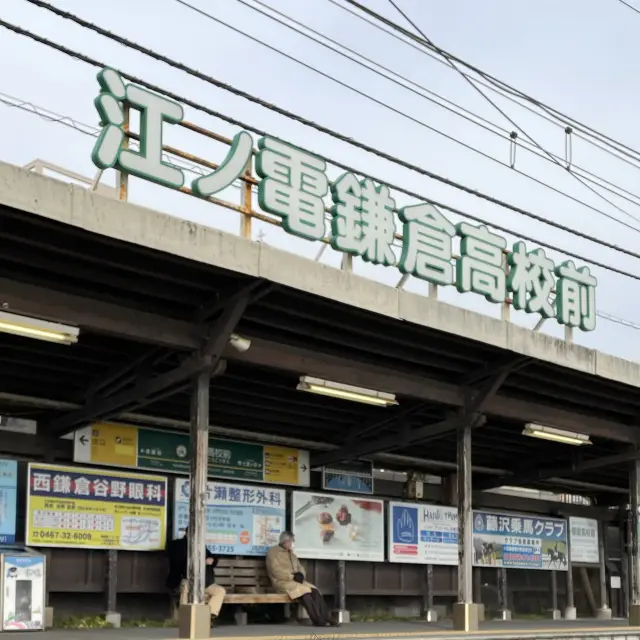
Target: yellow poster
114, 445
281, 465
95, 509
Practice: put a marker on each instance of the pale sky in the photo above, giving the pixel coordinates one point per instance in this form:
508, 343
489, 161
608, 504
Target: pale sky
575, 55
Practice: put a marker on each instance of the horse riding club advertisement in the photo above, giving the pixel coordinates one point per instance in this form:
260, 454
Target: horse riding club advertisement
519, 542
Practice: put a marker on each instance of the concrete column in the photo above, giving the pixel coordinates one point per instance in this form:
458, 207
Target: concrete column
429, 612
465, 614
503, 597
570, 612
194, 620
111, 590
554, 612
341, 615
634, 567
604, 612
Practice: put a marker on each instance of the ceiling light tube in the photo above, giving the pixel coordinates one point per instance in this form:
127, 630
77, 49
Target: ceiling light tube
555, 435
38, 329
346, 392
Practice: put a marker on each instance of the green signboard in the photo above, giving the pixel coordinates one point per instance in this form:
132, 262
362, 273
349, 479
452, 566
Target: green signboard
364, 216
128, 446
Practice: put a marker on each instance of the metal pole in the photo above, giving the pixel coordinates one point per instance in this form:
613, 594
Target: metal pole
465, 614
503, 597
198, 494
341, 614
604, 612
111, 589
634, 567
555, 611
570, 612
429, 611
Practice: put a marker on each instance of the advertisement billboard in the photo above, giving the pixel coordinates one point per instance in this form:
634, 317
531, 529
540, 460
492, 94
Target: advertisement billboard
241, 520
422, 533
336, 527
95, 509
519, 541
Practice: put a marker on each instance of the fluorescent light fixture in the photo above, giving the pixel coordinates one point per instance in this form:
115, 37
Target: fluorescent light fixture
37, 329
345, 391
556, 435
239, 343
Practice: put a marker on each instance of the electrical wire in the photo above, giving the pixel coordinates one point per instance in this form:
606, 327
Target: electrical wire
93, 132
580, 130
627, 4
453, 64
234, 121
292, 116
474, 118
414, 120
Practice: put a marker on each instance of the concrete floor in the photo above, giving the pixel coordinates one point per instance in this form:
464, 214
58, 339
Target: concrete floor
368, 631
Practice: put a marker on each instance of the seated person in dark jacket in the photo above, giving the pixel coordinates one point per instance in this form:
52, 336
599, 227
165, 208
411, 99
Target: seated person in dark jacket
177, 550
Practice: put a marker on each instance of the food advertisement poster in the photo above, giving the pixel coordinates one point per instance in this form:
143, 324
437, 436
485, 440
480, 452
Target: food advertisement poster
423, 533
336, 527
241, 520
519, 541
95, 509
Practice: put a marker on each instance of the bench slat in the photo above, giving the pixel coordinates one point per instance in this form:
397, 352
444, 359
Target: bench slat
256, 598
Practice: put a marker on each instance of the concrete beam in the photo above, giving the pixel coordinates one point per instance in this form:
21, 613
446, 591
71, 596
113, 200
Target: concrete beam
76, 206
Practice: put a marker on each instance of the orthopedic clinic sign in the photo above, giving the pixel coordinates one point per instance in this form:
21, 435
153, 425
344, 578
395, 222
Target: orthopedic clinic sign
362, 214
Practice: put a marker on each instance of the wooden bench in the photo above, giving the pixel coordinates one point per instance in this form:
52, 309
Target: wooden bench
246, 582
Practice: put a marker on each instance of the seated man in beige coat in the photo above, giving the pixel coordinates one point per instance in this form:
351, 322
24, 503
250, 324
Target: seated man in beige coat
287, 576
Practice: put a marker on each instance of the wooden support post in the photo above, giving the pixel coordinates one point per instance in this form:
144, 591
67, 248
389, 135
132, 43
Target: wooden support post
194, 619
634, 560
465, 615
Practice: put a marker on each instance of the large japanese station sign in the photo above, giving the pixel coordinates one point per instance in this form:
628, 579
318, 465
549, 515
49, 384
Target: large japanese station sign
519, 541
355, 215
95, 509
120, 445
242, 520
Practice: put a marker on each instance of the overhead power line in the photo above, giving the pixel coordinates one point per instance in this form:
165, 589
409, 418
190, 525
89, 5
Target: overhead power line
627, 4
551, 115
504, 114
339, 136
414, 120
88, 130
272, 107
449, 105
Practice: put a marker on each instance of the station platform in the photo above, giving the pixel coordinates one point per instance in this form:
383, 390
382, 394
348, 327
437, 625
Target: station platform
512, 630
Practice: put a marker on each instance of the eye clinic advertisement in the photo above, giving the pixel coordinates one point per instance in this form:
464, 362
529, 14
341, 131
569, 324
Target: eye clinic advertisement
423, 533
334, 527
